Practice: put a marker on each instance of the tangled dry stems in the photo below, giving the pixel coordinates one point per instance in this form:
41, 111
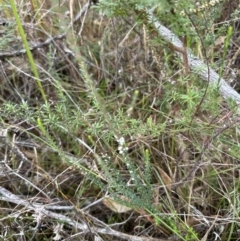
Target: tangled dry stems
194, 167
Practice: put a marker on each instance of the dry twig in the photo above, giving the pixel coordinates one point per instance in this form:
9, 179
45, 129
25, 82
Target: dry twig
195, 64
43, 211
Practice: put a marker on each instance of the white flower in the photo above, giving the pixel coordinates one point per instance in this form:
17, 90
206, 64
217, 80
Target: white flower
121, 141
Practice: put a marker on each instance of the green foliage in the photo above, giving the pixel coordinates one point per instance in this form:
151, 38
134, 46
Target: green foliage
26, 45
116, 137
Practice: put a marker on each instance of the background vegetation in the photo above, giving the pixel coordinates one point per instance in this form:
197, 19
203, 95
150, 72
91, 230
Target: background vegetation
105, 133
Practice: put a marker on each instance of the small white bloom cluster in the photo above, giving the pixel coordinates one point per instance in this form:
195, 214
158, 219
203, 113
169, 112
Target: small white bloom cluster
200, 8
105, 157
122, 148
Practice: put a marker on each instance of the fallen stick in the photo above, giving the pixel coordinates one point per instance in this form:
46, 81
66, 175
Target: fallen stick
42, 210
195, 64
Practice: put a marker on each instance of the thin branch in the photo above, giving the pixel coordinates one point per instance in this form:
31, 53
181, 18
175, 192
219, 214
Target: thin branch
32, 47
195, 64
42, 209
48, 40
